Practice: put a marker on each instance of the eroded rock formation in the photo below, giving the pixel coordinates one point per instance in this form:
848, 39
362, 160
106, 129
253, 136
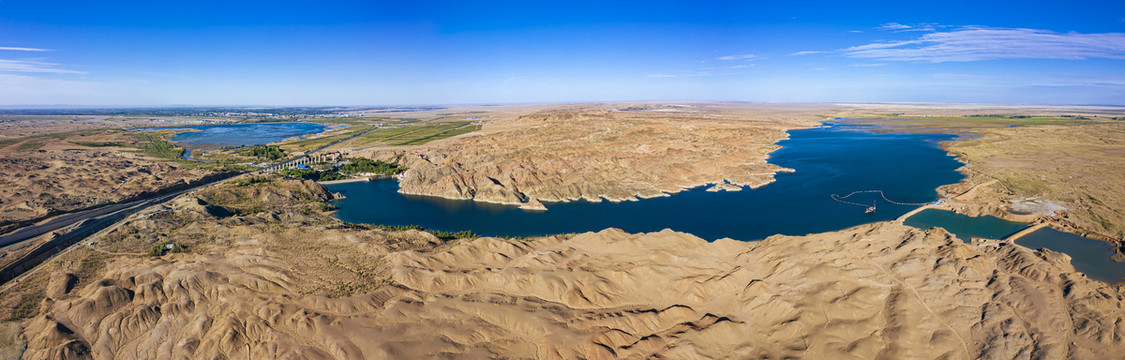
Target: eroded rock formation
594, 153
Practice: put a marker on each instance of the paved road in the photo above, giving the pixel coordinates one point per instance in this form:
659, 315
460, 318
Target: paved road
86, 223
58, 222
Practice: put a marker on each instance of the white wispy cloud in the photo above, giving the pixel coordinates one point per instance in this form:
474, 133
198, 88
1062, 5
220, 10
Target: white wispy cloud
894, 26
982, 43
9, 48
807, 52
737, 57
32, 66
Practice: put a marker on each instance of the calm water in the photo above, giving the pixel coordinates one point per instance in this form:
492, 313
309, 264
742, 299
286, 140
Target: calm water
837, 159
964, 227
243, 134
1089, 256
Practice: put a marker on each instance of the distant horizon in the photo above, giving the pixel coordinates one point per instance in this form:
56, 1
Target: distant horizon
497, 104
136, 53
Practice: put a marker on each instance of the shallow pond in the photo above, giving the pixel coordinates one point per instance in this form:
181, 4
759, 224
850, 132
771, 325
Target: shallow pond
833, 159
964, 227
1091, 257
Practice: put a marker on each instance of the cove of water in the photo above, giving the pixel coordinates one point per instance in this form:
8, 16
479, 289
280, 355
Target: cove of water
242, 134
1091, 257
833, 159
964, 227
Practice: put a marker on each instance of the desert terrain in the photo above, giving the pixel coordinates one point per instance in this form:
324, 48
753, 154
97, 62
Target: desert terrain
66, 171
261, 270
258, 267
615, 152
1057, 165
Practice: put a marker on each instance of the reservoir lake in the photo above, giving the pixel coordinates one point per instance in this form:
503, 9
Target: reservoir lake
238, 134
242, 134
833, 159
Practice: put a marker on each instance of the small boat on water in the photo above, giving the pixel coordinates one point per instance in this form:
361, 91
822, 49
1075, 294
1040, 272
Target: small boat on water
869, 210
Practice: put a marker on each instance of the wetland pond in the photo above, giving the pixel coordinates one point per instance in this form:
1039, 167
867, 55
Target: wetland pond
1091, 257
833, 159
965, 227
238, 134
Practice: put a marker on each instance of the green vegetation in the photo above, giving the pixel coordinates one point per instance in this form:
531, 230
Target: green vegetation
442, 135
157, 146
268, 152
299, 173
444, 235
417, 134
354, 167
331, 176
99, 144
30, 145
252, 181
159, 249
306, 145
361, 165
396, 227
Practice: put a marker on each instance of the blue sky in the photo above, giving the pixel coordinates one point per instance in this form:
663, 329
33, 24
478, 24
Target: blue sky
378, 53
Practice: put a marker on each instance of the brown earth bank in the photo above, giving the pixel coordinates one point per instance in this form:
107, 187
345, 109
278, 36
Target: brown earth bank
618, 151
260, 269
1079, 169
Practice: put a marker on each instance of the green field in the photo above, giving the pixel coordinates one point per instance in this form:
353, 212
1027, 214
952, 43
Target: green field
306, 145
415, 135
157, 146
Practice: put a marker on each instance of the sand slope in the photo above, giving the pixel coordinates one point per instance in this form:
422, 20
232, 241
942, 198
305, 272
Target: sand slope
874, 291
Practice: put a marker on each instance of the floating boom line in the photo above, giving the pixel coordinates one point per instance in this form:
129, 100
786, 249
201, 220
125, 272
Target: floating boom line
843, 199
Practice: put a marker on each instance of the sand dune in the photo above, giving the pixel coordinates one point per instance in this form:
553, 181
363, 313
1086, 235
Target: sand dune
874, 291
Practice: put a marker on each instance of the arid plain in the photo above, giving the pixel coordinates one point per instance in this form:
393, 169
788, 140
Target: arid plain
261, 269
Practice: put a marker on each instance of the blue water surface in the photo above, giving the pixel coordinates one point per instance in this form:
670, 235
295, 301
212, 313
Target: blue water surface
832, 159
965, 227
1089, 256
243, 134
